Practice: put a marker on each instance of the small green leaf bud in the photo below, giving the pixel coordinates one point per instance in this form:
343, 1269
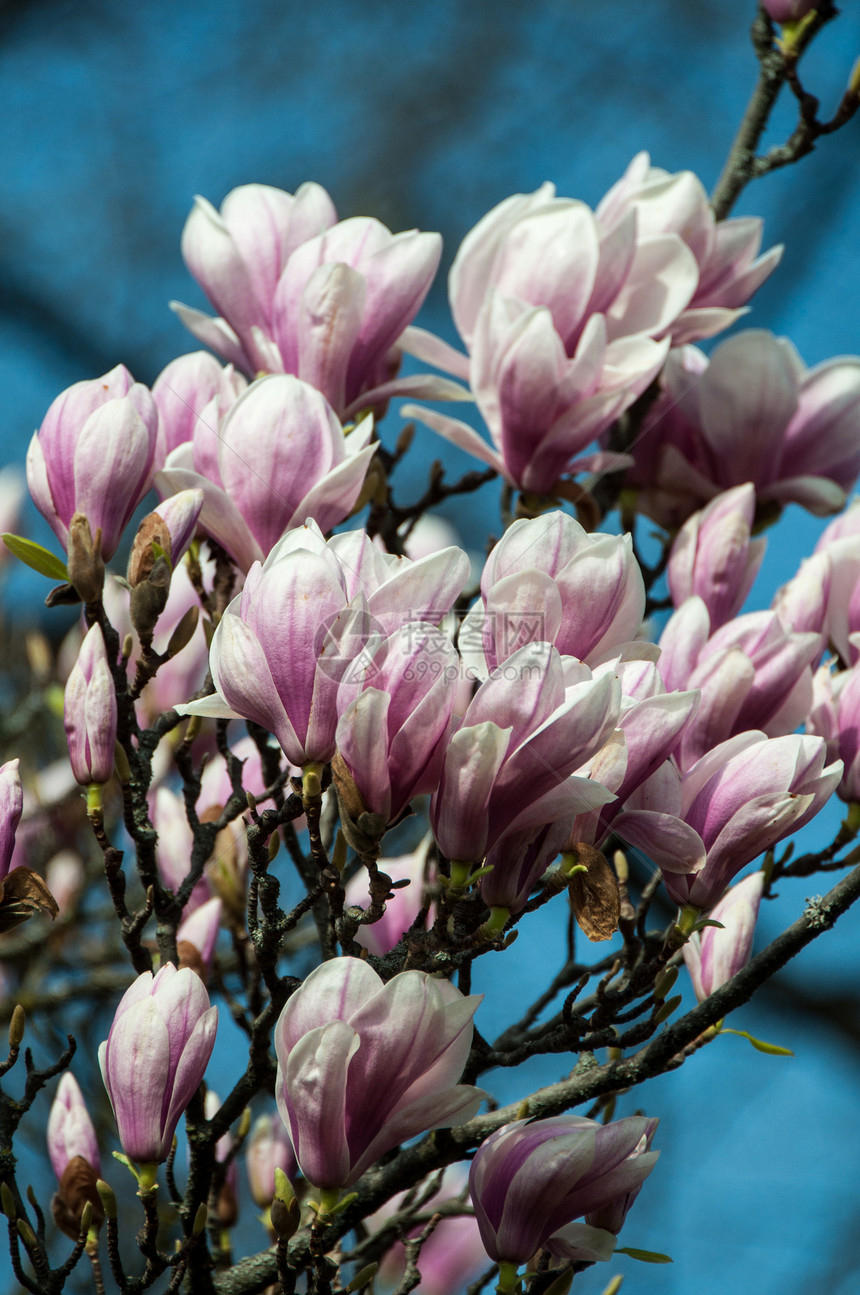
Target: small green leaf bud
107, 1198
16, 1027
671, 1005
363, 1278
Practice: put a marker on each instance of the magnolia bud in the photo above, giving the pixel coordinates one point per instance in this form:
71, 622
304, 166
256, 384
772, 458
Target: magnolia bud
16, 1027
149, 598
85, 565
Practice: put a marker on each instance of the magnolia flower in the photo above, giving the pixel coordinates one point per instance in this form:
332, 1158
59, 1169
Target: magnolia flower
197, 935
548, 580
715, 954
401, 909
835, 716
154, 1057
90, 712
726, 251
713, 556
561, 313
530, 1180
301, 293
752, 413
70, 1128
310, 467
508, 766
752, 673
285, 644
74, 1154
363, 1066
192, 393
739, 800
391, 736
269, 644
94, 455
11, 808
268, 1148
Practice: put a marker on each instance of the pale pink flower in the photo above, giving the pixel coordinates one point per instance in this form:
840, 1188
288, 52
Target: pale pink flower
363, 1066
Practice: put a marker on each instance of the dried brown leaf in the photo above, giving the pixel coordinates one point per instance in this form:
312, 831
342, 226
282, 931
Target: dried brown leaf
594, 894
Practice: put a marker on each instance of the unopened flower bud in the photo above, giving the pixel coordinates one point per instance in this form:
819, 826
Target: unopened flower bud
664, 983
166, 1018
854, 80
85, 565
149, 599
671, 1005
16, 1027
363, 1278
86, 1217
25, 1232
285, 1218
184, 632
107, 1198
90, 712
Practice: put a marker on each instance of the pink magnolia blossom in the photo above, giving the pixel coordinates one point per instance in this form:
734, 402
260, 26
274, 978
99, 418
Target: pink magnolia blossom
11, 808
649, 726
752, 673
753, 413
520, 858
171, 526
66, 878
395, 717
548, 580
363, 1066
726, 251
154, 1057
303, 618
268, 1148
267, 651
238, 256
452, 1255
311, 468
560, 313
12, 490
836, 565
806, 603
192, 393
555, 252
90, 712
531, 1179
401, 909
94, 454
199, 930
508, 766
716, 954
835, 716
740, 799
74, 1154
70, 1129
303, 294
542, 406
713, 555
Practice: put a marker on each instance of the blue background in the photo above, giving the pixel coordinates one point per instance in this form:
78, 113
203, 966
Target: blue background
426, 115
